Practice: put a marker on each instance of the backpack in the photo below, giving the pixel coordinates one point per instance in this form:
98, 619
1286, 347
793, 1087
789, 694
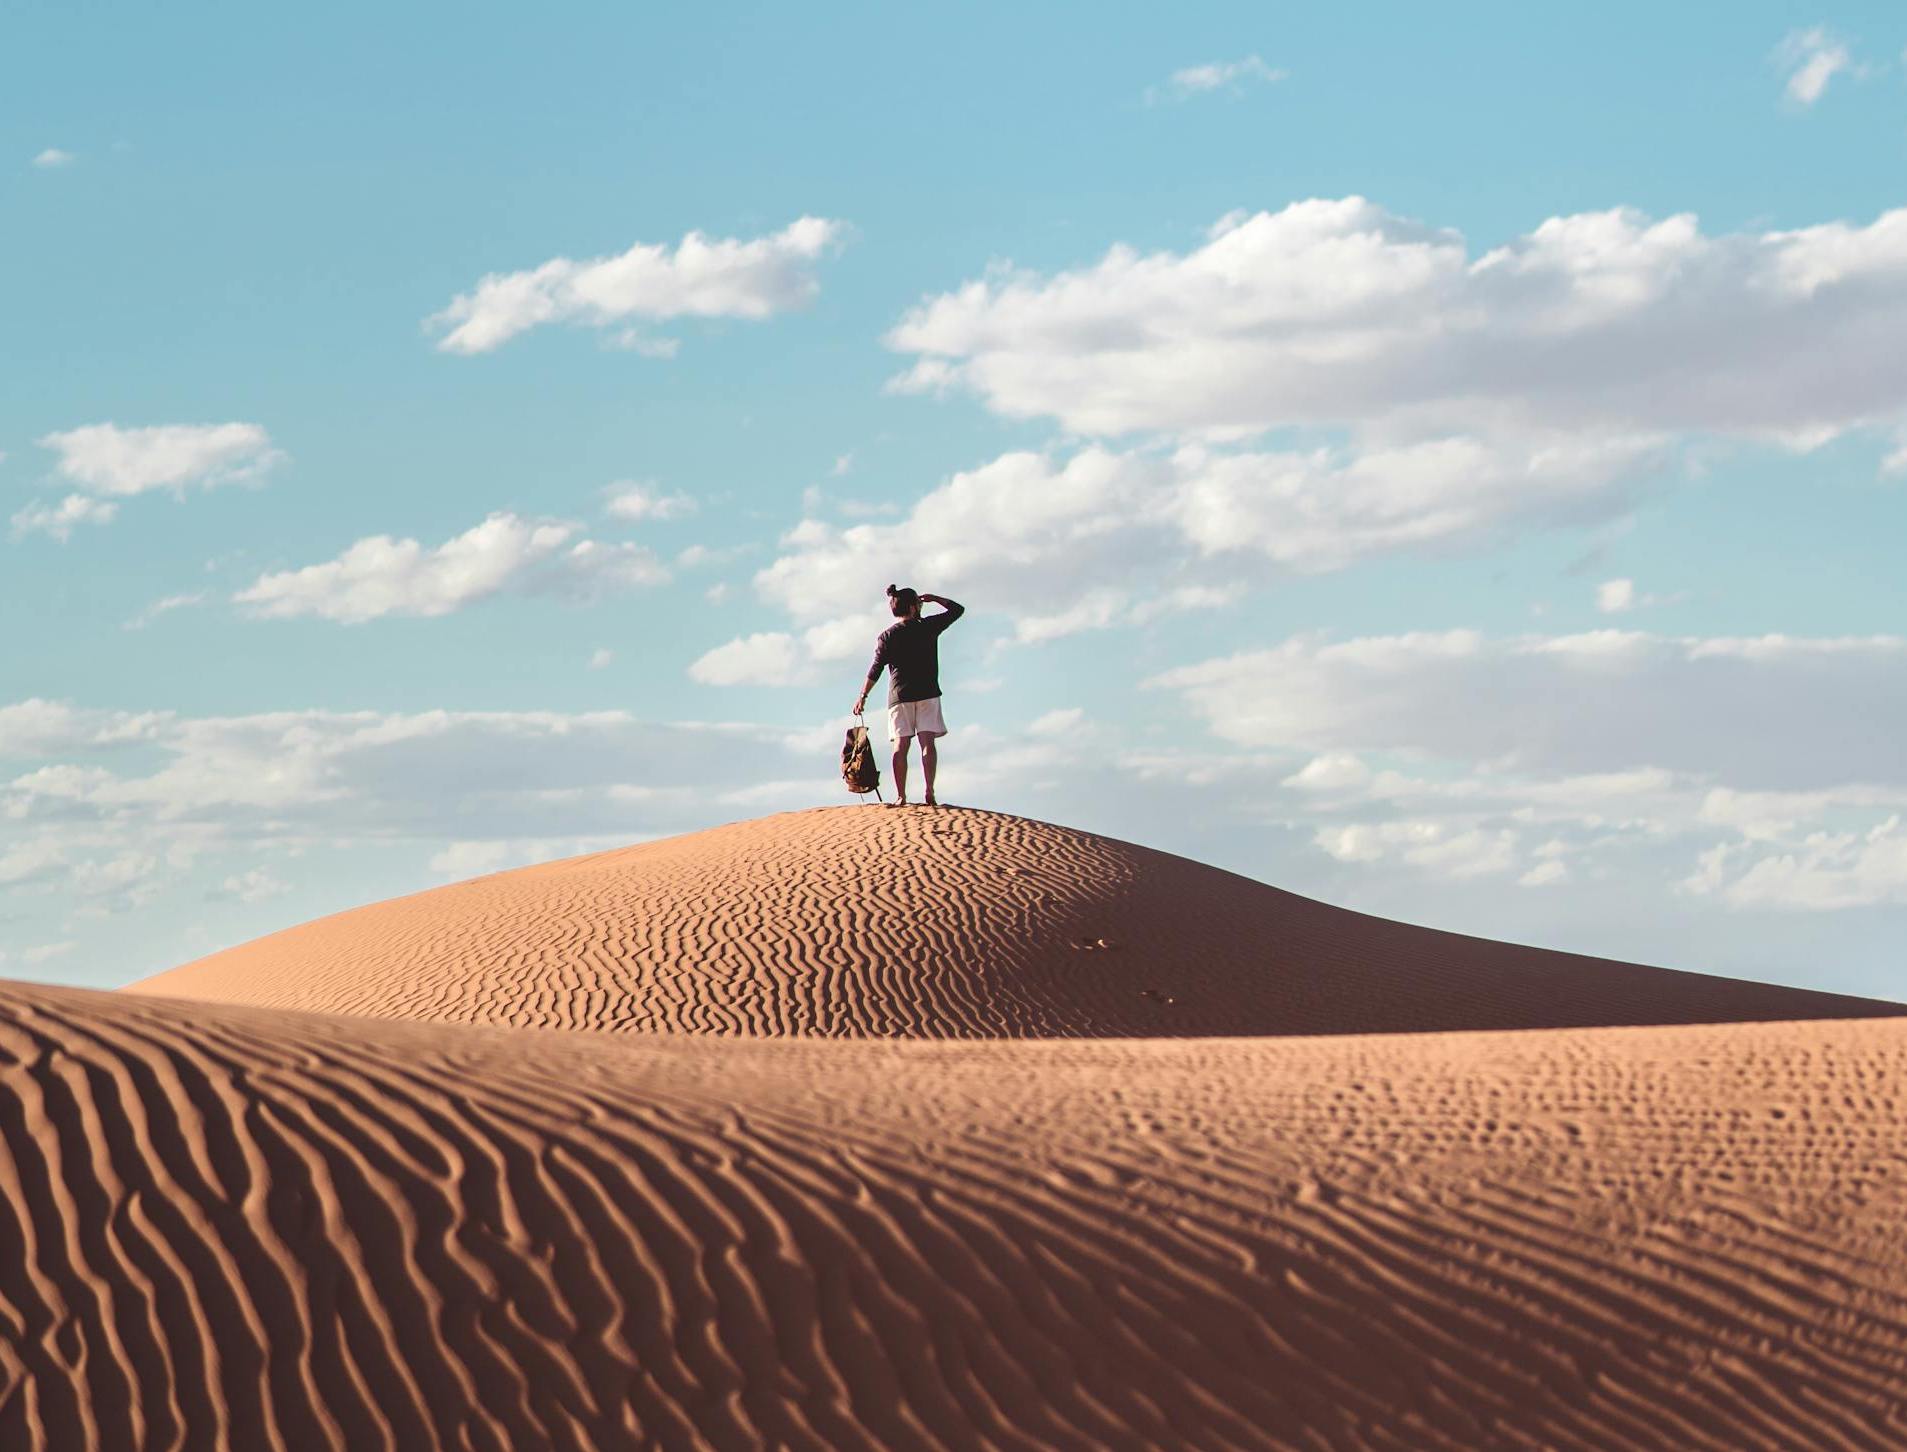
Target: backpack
858, 772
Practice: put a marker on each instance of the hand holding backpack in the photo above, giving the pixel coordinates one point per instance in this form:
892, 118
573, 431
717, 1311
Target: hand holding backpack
858, 772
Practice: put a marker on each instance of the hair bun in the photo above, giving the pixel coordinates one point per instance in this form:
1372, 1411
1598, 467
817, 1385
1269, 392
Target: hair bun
892, 591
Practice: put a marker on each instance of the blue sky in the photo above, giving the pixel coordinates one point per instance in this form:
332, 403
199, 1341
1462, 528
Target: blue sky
1451, 465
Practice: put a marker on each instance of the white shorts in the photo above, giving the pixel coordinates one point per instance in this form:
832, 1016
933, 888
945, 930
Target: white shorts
915, 718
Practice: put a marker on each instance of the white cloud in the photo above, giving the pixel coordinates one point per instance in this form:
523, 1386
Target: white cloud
1545, 874
60, 520
1610, 744
1064, 721
701, 277
636, 501
46, 952
30, 861
1095, 610
1825, 872
1433, 846
1821, 710
476, 858
36, 727
1767, 816
382, 576
1217, 76
633, 340
106, 459
772, 658
1431, 401
1613, 597
1591, 327
53, 157
601, 657
842, 464
471, 859
257, 884
118, 807
165, 606
1812, 58
1038, 537
1182, 598
1335, 771
126, 876
1620, 596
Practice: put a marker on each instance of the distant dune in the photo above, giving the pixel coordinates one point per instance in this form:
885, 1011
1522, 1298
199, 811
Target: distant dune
902, 1155
852, 922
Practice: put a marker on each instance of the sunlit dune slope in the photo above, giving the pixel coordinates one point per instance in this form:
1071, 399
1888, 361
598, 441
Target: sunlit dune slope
233, 1228
855, 922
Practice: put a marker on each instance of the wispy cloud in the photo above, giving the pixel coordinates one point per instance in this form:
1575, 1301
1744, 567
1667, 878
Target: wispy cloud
1231, 76
53, 157
702, 277
638, 501
60, 520
1812, 58
164, 607
255, 885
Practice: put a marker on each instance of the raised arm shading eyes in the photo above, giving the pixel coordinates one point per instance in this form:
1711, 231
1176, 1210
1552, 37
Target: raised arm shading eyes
952, 609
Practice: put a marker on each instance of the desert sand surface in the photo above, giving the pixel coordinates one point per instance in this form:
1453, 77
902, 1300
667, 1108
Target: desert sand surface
854, 922
772, 1221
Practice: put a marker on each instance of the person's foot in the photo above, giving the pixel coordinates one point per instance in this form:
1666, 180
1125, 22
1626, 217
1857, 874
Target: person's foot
930, 801
898, 802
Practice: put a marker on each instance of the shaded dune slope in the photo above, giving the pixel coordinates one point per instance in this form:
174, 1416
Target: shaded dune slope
852, 922
242, 1228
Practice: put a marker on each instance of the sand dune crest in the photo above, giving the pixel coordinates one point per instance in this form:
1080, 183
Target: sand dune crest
852, 922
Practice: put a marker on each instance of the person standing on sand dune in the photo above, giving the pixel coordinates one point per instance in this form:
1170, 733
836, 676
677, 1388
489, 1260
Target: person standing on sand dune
910, 650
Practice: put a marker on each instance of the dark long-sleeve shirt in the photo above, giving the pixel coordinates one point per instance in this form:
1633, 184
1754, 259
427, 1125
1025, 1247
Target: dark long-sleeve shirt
910, 652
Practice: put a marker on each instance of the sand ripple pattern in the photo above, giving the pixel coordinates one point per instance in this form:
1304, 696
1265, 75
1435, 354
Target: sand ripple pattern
232, 1228
852, 922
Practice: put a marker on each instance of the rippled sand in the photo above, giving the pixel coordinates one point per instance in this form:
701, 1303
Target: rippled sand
853, 922
912, 1140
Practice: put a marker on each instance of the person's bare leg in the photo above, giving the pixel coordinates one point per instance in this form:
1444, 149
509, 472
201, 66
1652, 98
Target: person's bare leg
928, 759
900, 770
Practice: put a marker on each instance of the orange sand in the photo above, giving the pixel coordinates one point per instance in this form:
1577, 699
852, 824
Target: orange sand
852, 922
228, 1226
